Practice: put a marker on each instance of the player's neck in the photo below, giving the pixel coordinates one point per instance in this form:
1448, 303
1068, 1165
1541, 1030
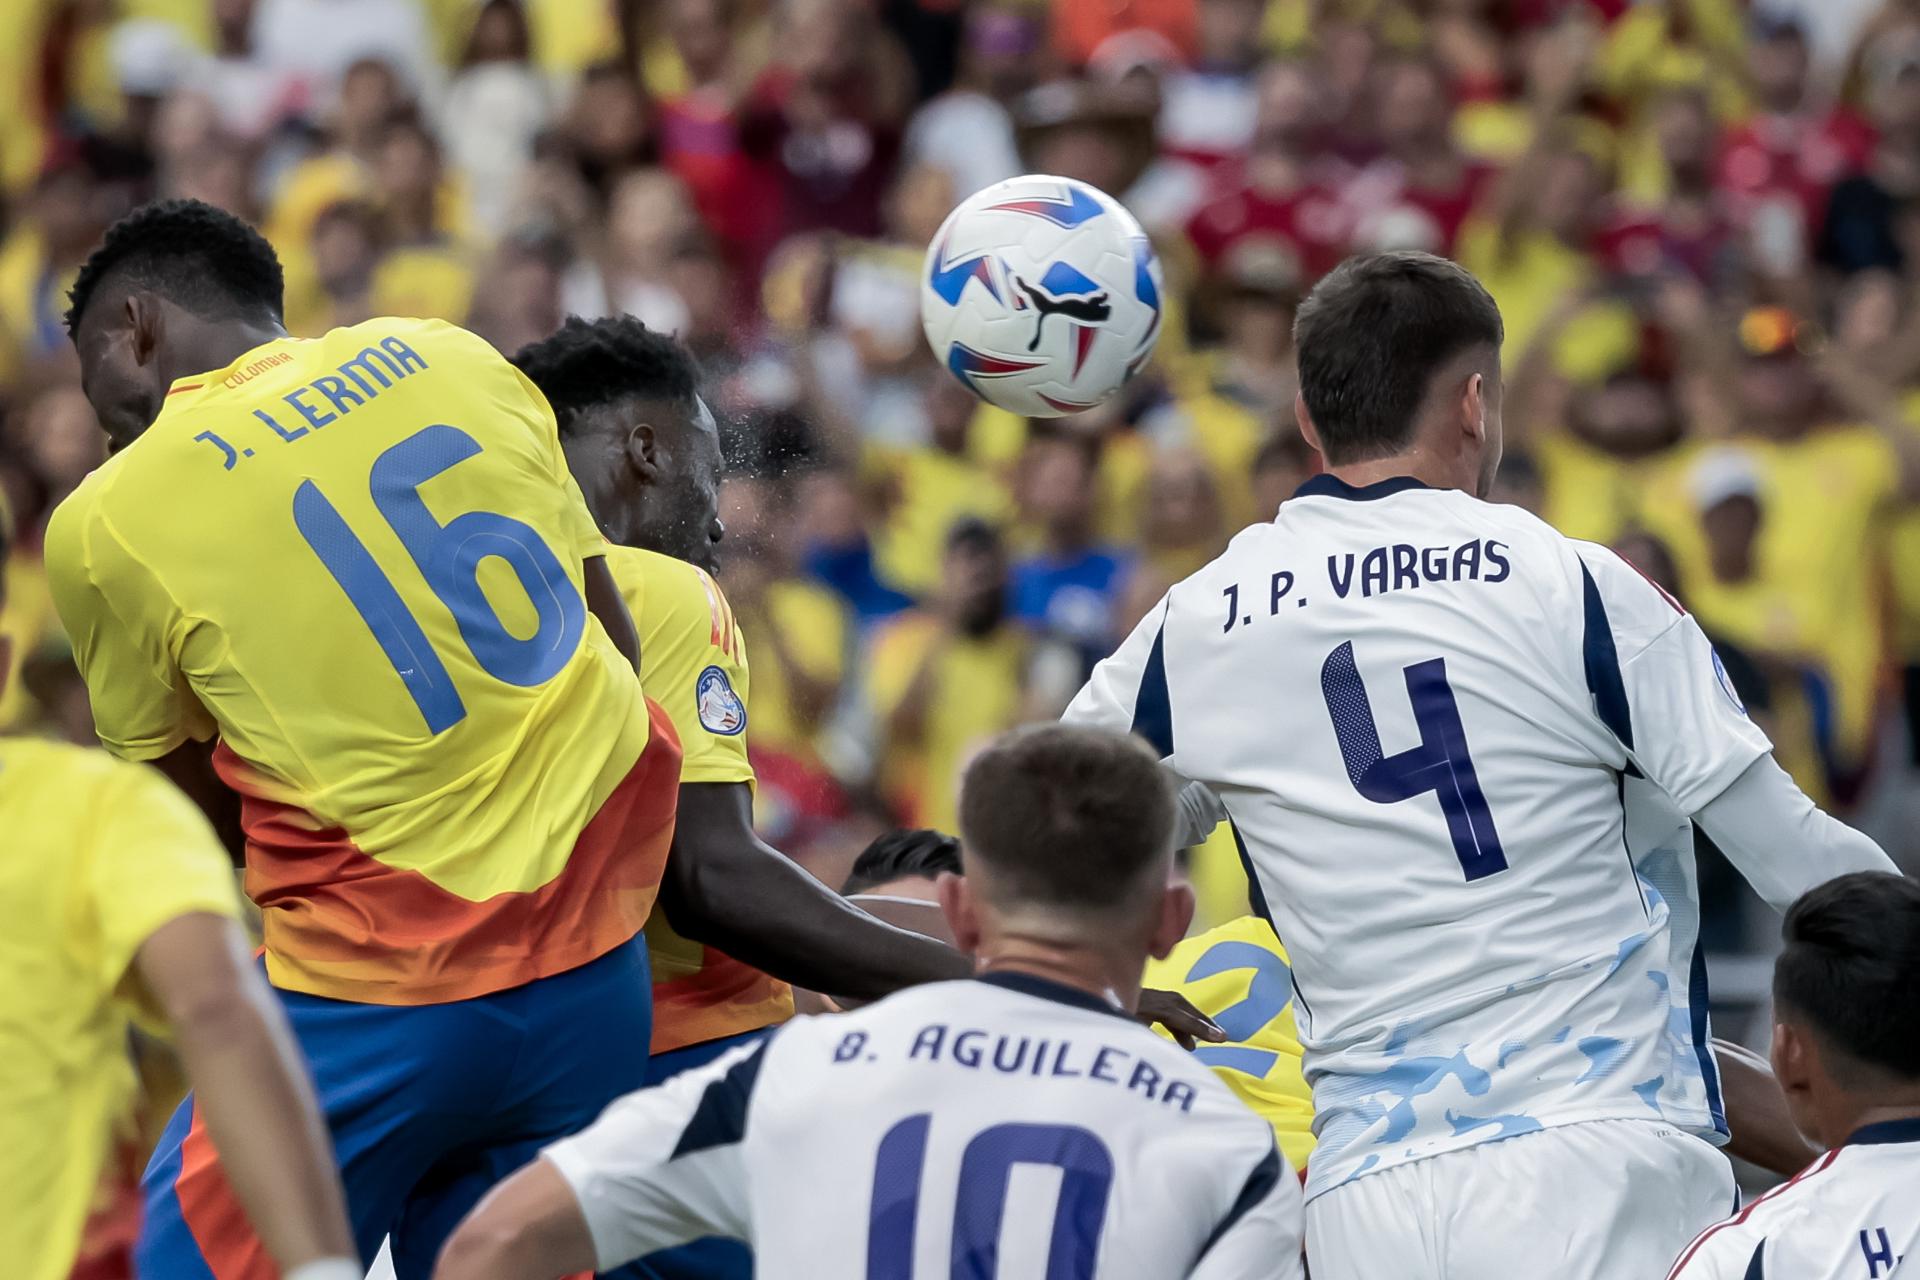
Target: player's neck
1903, 1106
1421, 464
1087, 969
215, 346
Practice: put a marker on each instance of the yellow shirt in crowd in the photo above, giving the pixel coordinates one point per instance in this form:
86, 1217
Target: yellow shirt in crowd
1238, 974
931, 490
977, 689
693, 663
1820, 592
99, 855
804, 624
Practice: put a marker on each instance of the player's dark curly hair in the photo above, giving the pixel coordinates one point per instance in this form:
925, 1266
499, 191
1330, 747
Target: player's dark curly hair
587, 364
201, 258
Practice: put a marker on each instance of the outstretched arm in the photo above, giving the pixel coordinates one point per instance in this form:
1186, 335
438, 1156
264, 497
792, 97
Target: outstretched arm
251, 1086
728, 888
1780, 840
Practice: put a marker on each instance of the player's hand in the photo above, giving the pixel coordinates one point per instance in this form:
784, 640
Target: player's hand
1176, 1013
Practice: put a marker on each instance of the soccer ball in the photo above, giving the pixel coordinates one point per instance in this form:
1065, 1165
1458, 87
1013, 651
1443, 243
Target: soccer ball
1042, 295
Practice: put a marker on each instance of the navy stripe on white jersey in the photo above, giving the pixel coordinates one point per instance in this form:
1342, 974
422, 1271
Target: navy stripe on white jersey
1853, 1214
1460, 751
1006, 1126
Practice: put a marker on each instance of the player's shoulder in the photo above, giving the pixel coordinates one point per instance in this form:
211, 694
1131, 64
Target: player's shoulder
83, 779
1725, 1248
675, 601
71, 527
662, 579
43, 758
1612, 586
399, 336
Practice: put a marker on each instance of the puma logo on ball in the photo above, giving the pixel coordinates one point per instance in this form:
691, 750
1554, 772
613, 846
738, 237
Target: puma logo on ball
1092, 309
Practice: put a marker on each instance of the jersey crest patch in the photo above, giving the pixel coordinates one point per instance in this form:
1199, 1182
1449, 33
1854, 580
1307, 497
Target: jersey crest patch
721, 710
1726, 683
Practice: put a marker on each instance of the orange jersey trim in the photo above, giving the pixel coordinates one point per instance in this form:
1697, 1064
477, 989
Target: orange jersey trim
213, 1214
724, 997
346, 926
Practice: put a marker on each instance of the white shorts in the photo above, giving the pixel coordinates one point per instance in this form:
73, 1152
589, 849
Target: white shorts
1603, 1200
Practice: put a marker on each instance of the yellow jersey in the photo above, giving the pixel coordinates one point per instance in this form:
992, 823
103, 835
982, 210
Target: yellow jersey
1820, 591
1238, 974
932, 490
98, 856
693, 664
978, 692
358, 560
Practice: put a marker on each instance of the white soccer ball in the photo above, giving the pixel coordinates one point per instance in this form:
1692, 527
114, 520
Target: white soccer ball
1042, 295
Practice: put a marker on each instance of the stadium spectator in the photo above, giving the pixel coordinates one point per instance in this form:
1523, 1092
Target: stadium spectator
949, 675
1067, 587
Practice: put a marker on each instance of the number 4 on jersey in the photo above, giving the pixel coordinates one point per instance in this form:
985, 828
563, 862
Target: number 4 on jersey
1440, 763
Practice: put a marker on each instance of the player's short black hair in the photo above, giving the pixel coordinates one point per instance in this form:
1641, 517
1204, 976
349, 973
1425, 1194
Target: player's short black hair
1850, 969
1371, 336
1066, 817
903, 855
198, 256
587, 364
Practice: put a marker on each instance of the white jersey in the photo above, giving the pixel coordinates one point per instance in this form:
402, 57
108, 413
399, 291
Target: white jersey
1459, 751
1853, 1214
1005, 1127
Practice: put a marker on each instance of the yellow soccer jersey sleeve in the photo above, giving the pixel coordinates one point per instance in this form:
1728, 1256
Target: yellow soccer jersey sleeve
99, 855
1238, 975
693, 659
693, 663
357, 559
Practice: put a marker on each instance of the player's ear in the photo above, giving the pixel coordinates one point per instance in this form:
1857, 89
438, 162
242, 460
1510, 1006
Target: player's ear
1176, 916
643, 451
957, 905
144, 326
1793, 1059
1473, 407
1304, 420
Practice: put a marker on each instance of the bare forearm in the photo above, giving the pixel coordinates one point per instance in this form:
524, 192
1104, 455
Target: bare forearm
1762, 1128
729, 889
251, 1088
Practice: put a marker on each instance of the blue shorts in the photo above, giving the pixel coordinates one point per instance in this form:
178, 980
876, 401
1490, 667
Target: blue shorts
429, 1106
715, 1257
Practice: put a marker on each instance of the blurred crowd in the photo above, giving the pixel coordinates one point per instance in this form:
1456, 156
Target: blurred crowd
1701, 219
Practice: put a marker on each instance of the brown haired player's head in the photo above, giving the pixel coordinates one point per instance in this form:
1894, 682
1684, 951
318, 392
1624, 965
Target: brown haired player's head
1068, 838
